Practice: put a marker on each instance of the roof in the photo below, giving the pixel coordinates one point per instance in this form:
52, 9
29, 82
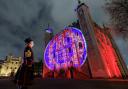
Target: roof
81, 5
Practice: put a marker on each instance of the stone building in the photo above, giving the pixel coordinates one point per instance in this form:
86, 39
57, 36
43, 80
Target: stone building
10, 65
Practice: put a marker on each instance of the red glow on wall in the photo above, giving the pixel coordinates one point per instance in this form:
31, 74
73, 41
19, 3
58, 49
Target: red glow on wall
108, 54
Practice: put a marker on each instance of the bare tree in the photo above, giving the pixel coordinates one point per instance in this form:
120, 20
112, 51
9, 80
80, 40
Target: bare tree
118, 10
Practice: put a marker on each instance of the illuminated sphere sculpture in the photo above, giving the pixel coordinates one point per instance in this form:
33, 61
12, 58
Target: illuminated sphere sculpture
65, 48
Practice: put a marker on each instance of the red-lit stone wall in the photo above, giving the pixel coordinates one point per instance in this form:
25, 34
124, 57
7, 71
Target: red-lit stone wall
108, 53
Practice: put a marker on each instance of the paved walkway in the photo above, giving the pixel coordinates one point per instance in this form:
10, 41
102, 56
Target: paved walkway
69, 84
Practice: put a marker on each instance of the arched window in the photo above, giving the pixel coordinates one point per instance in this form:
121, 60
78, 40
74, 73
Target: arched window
69, 49
68, 39
80, 45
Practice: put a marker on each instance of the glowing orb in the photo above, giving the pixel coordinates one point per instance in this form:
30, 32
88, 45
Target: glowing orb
65, 48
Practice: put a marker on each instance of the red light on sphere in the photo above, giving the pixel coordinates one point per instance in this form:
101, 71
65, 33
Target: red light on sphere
66, 47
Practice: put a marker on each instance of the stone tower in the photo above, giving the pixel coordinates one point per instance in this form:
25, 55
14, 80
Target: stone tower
48, 36
103, 59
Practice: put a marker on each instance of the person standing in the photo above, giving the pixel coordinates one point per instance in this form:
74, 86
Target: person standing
25, 75
72, 69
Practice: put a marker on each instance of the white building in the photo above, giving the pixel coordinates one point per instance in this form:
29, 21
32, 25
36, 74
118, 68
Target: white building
10, 65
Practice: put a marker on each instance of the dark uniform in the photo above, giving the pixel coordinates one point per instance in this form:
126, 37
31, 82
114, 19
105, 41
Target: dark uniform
72, 72
71, 69
25, 75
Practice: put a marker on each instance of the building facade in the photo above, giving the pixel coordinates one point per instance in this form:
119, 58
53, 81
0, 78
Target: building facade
104, 59
10, 66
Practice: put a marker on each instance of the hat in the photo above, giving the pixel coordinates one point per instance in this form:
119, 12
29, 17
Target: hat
28, 40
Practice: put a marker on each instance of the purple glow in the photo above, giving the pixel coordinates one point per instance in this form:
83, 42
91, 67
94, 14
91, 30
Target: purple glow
67, 46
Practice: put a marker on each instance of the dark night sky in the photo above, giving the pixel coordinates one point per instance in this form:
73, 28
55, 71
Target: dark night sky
20, 19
